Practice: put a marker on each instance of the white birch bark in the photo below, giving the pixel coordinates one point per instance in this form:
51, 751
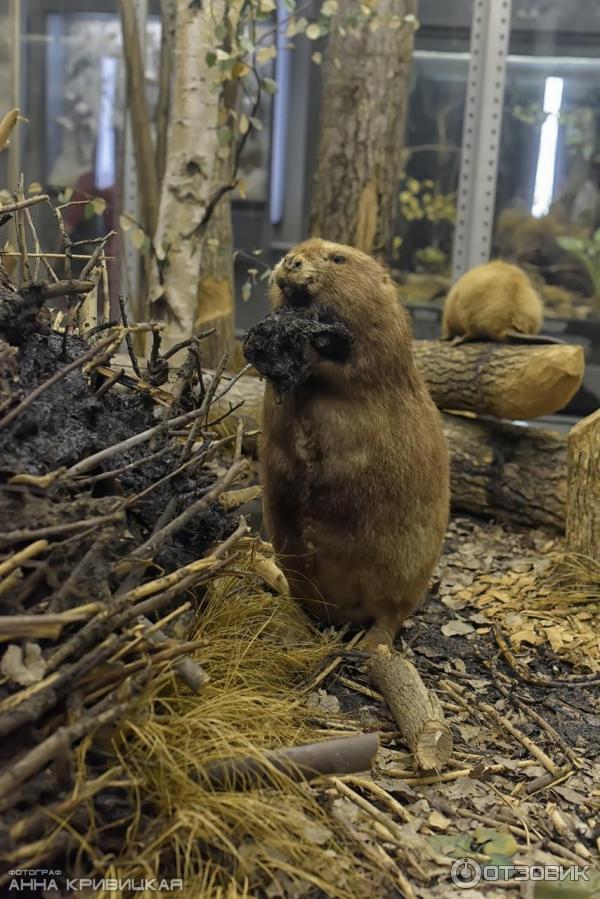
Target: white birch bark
192, 148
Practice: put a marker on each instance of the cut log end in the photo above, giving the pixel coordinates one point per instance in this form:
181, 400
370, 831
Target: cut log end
415, 709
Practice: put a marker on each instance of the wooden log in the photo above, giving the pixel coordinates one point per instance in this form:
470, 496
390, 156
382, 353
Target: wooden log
498, 379
510, 472
417, 711
583, 487
346, 755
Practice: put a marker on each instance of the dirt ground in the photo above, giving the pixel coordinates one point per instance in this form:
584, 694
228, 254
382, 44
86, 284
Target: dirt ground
523, 787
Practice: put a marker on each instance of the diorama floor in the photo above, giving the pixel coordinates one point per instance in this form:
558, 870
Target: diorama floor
495, 641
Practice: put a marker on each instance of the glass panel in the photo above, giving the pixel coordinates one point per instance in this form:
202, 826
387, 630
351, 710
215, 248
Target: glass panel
72, 92
422, 251
547, 203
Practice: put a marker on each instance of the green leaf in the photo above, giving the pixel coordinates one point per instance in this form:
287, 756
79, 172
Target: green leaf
210, 59
268, 85
138, 237
569, 889
596, 237
573, 244
290, 5
265, 54
225, 135
99, 205
453, 845
495, 842
220, 32
256, 123
88, 211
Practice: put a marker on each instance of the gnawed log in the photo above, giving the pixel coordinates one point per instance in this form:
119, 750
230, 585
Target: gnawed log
509, 472
417, 711
499, 379
583, 487
347, 755
500, 470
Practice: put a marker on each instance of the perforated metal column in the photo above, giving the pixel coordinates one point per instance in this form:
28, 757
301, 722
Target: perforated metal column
481, 134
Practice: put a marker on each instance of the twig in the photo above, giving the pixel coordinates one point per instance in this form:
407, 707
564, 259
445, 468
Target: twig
538, 680
16, 559
182, 519
109, 382
568, 752
204, 407
55, 530
128, 337
68, 287
23, 204
37, 758
53, 379
504, 724
20, 231
43, 626
143, 437
96, 255
341, 756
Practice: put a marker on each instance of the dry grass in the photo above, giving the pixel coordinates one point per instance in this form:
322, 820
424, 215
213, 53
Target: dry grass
259, 651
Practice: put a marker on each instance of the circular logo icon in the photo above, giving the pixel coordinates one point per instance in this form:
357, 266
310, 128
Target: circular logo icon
465, 873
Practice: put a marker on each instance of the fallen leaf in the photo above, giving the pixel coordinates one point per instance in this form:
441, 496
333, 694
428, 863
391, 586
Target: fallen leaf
456, 627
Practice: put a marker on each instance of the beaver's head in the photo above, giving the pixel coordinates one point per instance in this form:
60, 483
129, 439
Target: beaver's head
318, 275
319, 271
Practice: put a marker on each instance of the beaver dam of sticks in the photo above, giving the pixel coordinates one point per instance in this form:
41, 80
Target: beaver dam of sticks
168, 714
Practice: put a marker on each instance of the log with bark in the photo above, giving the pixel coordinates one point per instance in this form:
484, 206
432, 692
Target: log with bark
512, 382
417, 711
497, 379
583, 487
500, 470
362, 123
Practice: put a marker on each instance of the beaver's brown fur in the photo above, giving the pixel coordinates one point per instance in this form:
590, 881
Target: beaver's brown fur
354, 461
495, 301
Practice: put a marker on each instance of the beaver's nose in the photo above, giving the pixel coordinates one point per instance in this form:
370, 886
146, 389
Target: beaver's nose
293, 263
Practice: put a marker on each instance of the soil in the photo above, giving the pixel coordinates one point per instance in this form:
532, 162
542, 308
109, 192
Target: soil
278, 346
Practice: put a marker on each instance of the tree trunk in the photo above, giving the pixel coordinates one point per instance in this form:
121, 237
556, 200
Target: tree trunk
168, 13
192, 149
216, 300
508, 472
583, 487
498, 379
498, 470
140, 117
366, 78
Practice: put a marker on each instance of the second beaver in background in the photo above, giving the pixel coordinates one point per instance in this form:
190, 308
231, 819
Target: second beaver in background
495, 301
354, 460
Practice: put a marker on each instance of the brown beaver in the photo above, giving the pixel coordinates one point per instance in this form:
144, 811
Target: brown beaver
354, 460
495, 301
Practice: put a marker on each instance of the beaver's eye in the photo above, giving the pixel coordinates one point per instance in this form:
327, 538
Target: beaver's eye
335, 257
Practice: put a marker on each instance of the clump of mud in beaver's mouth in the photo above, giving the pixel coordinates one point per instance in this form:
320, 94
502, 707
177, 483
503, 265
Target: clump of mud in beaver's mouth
277, 345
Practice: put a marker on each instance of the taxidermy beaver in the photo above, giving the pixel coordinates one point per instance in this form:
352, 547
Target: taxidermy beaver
354, 460
495, 301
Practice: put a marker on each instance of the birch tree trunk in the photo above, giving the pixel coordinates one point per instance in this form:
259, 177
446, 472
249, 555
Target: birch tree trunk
187, 183
366, 79
216, 299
